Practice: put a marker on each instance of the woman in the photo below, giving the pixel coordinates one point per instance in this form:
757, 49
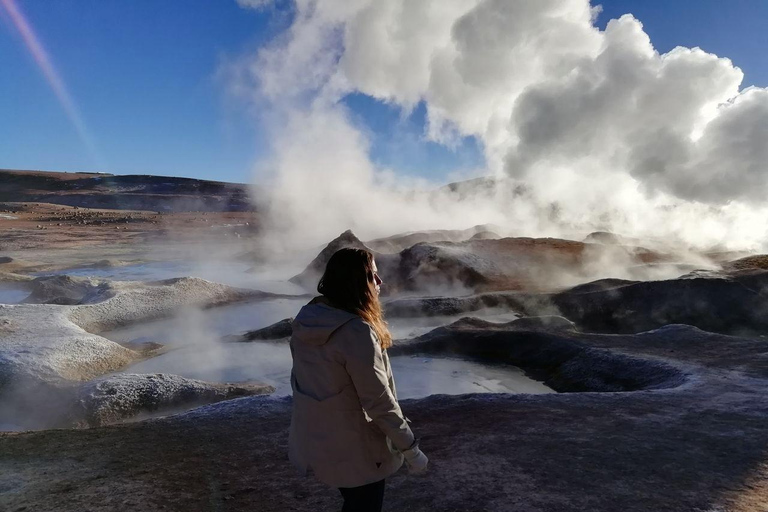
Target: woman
347, 427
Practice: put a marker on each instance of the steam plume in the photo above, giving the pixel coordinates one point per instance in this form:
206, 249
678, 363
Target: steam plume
601, 128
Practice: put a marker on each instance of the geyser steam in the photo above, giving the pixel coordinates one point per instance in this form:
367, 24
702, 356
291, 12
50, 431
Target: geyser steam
603, 131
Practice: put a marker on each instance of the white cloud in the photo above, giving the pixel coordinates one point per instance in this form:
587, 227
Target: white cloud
254, 4
597, 121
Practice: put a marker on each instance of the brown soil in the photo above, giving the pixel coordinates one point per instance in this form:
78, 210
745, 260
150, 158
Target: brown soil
759, 261
41, 237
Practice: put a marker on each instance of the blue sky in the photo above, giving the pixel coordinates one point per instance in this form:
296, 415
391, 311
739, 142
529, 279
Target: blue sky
143, 74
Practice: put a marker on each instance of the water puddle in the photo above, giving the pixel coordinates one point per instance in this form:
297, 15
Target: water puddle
153, 271
195, 351
232, 273
416, 376
200, 328
12, 294
406, 328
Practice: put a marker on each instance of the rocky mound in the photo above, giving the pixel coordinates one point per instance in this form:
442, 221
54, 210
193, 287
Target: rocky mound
484, 264
120, 397
414, 307
733, 304
45, 348
759, 261
515, 263
397, 243
728, 303
485, 235
276, 331
41, 343
314, 271
605, 237
112, 399
137, 301
67, 290
600, 285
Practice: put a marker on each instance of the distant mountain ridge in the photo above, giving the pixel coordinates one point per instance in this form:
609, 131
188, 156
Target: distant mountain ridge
123, 192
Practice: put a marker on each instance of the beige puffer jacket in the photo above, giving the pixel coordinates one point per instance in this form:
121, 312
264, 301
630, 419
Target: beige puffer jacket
346, 427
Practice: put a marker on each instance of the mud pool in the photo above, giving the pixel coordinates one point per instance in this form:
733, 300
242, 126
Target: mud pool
229, 272
195, 350
152, 271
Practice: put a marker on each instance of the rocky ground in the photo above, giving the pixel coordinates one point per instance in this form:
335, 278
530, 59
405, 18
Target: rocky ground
698, 441
50, 352
35, 229
669, 419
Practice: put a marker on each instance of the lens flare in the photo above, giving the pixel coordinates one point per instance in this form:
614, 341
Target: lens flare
55, 81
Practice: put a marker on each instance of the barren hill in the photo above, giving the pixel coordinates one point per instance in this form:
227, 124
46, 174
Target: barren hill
130, 192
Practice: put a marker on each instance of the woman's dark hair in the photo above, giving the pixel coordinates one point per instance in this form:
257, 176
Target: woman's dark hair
349, 283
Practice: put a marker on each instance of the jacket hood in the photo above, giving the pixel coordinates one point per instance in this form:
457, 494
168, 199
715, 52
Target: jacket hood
318, 320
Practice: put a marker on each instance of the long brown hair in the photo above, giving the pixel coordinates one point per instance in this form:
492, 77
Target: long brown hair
349, 283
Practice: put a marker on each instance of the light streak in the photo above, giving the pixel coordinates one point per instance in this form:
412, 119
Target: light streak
43, 61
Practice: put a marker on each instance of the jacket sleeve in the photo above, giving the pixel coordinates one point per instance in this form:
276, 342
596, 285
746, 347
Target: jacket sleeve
364, 362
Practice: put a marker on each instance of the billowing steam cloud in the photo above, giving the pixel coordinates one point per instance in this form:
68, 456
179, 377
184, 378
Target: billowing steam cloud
604, 132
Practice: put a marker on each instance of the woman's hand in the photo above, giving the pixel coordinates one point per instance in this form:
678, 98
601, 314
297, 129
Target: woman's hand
416, 460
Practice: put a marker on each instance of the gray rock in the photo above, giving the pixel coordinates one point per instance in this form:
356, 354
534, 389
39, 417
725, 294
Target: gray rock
413, 307
125, 396
67, 290
311, 275
730, 304
546, 323
276, 331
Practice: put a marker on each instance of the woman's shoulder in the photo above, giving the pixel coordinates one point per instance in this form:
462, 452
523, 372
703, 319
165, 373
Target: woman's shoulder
356, 325
350, 335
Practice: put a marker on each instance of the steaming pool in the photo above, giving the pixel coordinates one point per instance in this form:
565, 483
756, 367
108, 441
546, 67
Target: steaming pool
233, 273
416, 376
195, 350
151, 271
